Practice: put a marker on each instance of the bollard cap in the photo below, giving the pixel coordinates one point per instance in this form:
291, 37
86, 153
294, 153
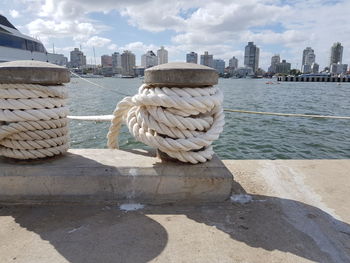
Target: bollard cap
181, 74
33, 72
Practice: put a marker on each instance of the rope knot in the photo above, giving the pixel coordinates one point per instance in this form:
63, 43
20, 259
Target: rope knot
181, 122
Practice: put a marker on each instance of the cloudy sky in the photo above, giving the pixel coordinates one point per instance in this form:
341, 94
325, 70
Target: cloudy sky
222, 27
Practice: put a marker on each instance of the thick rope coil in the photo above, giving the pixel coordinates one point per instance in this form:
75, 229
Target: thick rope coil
33, 121
181, 122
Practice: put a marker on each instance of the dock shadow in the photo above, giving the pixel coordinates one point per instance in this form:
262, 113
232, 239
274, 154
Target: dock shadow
84, 234
289, 226
87, 231
92, 233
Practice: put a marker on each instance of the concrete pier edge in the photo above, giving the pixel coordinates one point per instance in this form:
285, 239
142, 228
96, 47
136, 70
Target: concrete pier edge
93, 176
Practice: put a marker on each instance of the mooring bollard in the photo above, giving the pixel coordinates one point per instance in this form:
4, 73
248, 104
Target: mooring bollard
33, 115
177, 111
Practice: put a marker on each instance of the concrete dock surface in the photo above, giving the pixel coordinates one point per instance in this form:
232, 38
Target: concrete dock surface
281, 211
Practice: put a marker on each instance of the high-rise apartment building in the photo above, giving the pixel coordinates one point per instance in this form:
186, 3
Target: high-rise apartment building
315, 68
283, 67
106, 61
149, 59
251, 56
233, 63
162, 55
274, 61
128, 63
308, 59
219, 65
117, 63
207, 60
336, 54
77, 58
192, 57
308, 56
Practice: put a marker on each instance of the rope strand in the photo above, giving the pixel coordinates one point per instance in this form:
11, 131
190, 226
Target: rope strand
33, 121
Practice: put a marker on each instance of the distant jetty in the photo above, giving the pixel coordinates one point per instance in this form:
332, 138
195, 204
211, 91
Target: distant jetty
314, 78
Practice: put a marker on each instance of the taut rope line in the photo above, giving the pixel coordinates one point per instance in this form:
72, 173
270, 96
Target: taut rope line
97, 85
290, 114
181, 122
100, 118
33, 121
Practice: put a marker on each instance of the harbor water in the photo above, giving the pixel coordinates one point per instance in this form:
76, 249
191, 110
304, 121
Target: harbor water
245, 136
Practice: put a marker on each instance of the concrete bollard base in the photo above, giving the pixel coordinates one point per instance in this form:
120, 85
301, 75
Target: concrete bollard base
107, 176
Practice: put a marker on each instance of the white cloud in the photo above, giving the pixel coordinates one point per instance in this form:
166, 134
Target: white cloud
113, 47
79, 31
139, 47
14, 13
222, 27
97, 41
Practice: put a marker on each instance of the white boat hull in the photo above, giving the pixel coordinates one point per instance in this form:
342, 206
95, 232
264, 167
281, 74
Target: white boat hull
11, 54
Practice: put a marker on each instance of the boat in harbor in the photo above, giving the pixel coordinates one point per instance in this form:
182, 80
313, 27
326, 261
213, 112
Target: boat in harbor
16, 46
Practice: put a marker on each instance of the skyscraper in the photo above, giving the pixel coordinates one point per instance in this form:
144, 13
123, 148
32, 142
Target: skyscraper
128, 63
149, 59
162, 55
251, 56
307, 60
308, 56
274, 61
192, 57
233, 63
116, 62
207, 60
219, 65
336, 54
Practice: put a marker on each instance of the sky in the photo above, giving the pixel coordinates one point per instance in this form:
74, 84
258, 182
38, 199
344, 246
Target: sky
221, 27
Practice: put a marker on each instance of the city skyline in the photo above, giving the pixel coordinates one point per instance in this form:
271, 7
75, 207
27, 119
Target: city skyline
250, 63
219, 27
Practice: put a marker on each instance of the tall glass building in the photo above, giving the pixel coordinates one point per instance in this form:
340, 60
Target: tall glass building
251, 56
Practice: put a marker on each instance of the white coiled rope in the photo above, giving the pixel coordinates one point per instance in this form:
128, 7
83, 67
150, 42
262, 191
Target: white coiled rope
33, 121
181, 122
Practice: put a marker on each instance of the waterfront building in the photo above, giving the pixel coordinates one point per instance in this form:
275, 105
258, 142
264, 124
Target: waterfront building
308, 56
337, 68
336, 54
149, 59
306, 68
233, 63
192, 57
283, 67
77, 58
106, 61
107, 71
243, 72
219, 65
117, 63
251, 56
315, 68
162, 55
207, 60
57, 59
128, 63
274, 61
308, 59
139, 71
